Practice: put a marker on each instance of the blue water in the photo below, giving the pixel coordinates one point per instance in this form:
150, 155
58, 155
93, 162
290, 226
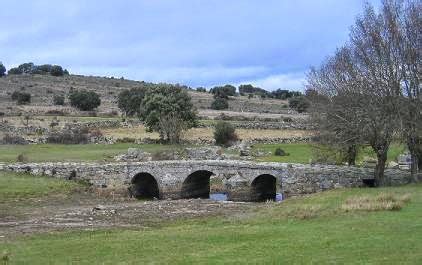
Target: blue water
218, 196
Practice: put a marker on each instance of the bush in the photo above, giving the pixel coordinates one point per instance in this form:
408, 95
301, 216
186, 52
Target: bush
280, 152
22, 158
67, 136
14, 71
2, 70
58, 100
225, 134
84, 100
21, 97
300, 104
220, 104
13, 139
56, 70
201, 89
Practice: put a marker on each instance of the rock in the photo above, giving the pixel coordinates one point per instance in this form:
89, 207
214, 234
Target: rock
393, 164
99, 208
134, 154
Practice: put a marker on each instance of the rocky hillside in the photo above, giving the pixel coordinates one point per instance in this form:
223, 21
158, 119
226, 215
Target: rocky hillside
43, 88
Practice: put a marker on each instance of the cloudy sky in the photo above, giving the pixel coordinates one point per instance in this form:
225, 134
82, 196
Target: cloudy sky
269, 43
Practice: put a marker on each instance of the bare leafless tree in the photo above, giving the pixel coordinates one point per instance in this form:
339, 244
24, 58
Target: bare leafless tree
361, 94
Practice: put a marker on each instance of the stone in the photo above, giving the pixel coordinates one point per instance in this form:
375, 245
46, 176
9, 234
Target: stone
393, 164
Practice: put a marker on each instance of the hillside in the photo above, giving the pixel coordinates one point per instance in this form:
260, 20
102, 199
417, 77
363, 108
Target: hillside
44, 87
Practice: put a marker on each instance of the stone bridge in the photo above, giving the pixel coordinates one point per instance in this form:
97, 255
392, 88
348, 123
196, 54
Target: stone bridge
242, 181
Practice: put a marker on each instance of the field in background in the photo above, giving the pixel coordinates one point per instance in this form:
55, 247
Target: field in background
80, 153
302, 153
313, 229
15, 186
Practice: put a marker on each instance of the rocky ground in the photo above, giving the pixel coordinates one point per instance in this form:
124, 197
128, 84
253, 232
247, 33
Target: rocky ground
86, 211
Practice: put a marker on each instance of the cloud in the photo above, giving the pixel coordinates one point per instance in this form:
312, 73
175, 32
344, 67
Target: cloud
292, 81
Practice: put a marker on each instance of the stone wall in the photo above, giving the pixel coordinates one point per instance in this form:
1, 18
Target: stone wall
237, 176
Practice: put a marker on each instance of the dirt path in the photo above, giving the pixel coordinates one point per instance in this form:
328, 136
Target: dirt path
84, 211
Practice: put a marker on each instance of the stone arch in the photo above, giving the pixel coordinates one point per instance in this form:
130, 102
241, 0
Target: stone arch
144, 186
197, 185
263, 188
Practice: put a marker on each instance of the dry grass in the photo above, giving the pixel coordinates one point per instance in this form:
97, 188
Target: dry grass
206, 133
381, 202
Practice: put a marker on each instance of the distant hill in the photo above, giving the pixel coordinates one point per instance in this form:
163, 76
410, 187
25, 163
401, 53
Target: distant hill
44, 87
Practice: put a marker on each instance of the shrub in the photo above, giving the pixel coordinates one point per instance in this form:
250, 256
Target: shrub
225, 134
21, 97
56, 70
280, 152
2, 70
287, 119
300, 104
67, 136
201, 89
58, 100
14, 71
84, 100
220, 104
13, 139
22, 158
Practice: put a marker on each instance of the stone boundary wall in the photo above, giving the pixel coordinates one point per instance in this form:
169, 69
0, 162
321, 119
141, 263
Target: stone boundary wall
237, 176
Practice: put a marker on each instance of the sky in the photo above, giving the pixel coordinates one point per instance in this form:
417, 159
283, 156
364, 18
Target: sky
268, 43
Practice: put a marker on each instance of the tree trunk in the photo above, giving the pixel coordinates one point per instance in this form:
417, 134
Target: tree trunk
351, 155
412, 146
380, 167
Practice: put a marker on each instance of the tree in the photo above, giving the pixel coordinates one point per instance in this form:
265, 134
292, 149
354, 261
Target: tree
84, 100
2, 70
405, 21
129, 101
220, 104
300, 103
14, 71
366, 79
169, 111
223, 91
56, 70
225, 133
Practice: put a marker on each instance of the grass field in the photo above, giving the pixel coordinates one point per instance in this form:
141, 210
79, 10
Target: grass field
298, 152
313, 229
302, 152
58, 152
15, 186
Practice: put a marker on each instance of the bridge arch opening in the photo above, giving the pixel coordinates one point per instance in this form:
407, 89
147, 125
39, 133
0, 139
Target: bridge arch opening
197, 185
144, 186
264, 187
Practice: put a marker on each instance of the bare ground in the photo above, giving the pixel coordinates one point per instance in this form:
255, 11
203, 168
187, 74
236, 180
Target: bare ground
84, 211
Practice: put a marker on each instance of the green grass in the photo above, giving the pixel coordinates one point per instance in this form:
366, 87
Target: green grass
302, 152
58, 152
298, 152
15, 186
274, 235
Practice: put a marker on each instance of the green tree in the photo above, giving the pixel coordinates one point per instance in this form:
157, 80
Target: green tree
168, 110
21, 98
84, 100
2, 70
223, 91
129, 101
